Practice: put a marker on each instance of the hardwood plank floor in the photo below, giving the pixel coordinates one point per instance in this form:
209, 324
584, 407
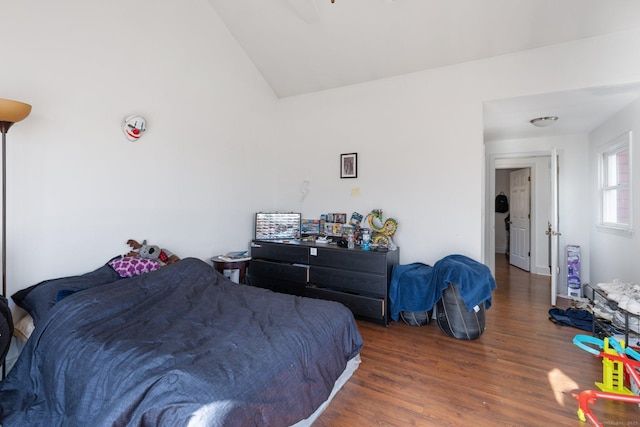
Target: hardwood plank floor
520, 372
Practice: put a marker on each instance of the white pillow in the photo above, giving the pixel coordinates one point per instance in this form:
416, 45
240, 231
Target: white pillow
24, 328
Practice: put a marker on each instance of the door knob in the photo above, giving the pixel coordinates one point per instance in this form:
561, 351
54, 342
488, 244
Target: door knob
550, 232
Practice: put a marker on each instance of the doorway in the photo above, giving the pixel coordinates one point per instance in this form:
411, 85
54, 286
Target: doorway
540, 199
502, 226
513, 228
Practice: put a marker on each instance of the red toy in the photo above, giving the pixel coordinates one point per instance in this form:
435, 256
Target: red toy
615, 363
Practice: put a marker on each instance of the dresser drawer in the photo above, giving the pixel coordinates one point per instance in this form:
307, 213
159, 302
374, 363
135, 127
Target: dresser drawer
352, 281
356, 260
279, 271
277, 285
280, 252
360, 306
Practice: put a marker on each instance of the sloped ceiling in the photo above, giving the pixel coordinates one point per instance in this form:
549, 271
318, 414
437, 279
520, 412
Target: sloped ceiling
303, 46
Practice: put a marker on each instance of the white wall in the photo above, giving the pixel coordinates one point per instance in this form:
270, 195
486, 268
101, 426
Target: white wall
420, 143
615, 256
408, 133
77, 189
220, 147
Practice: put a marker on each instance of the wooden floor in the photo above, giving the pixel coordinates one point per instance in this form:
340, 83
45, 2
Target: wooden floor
521, 372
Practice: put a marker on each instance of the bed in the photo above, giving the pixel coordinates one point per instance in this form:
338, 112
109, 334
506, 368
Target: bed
180, 346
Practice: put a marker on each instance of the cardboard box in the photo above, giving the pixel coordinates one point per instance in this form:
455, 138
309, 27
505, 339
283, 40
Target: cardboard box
574, 285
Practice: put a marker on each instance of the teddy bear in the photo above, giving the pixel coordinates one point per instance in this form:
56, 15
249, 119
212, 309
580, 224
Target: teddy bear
142, 250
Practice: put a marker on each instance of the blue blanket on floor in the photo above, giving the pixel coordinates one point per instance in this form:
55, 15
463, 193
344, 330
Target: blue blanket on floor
418, 286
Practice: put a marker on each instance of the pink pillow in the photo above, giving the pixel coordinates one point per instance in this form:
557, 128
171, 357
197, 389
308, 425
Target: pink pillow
133, 266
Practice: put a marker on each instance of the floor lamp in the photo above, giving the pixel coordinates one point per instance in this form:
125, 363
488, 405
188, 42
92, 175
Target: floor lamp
10, 113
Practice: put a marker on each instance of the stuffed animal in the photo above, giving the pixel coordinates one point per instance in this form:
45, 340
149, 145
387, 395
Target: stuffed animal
142, 250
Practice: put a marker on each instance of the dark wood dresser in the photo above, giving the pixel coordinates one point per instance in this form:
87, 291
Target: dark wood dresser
356, 278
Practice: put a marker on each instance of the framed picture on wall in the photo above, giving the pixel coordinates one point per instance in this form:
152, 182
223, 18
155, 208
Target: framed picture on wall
349, 165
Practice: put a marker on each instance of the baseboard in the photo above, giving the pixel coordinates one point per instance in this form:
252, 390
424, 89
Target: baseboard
543, 271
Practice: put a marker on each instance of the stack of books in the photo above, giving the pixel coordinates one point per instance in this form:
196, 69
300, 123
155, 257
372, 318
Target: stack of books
235, 256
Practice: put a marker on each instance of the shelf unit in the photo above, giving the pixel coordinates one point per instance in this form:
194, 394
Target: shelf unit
603, 327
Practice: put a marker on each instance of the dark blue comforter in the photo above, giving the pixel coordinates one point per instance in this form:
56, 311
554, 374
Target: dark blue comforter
179, 346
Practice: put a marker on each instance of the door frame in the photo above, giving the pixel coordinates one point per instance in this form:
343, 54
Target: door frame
554, 226
512, 161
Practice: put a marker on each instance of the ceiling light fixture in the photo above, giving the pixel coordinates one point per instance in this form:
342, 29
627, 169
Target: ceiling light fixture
543, 122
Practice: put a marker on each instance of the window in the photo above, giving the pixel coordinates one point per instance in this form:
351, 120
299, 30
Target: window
615, 184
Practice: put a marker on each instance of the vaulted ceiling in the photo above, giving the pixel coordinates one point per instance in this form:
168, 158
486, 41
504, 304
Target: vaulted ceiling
303, 46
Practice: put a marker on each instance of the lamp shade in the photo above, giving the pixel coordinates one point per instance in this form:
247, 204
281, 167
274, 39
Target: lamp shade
13, 111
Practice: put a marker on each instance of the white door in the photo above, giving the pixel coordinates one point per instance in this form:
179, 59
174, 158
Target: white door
520, 219
553, 227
